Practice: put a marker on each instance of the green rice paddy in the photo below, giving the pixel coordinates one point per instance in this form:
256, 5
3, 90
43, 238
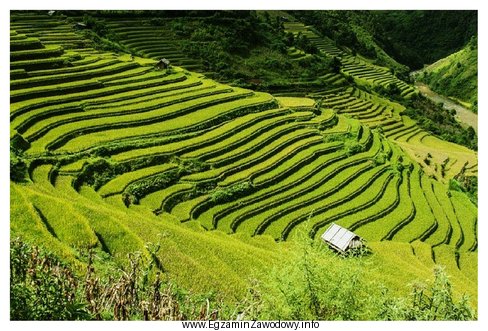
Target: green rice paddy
247, 171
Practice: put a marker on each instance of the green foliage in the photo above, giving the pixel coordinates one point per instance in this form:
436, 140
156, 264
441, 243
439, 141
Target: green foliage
305, 287
119, 183
391, 91
429, 303
99, 27
100, 34
235, 34
456, 76
336, 65
246, 48
337, 137
18, 168
454, 185
152, 183
353, 29
190, 166
18, 143
42, 287
439, 121
230, 193
398, 166
352, 146
96, 172
465, 184
305, 44
380, 158
417, 37
308, 288
104, 43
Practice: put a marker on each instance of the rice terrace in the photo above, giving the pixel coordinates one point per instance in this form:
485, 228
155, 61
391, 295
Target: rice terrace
186, 165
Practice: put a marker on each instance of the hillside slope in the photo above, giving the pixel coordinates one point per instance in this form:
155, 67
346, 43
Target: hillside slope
244, 48
398, 39
354, 30
455, 76
419, 37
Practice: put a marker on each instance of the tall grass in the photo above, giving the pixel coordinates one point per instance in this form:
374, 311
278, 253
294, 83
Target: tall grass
315, 284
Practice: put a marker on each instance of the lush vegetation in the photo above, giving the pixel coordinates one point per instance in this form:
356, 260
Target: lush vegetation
409, 37
222, 189
42, 287
434, 118
419, 37
354, 30
243, 47
456, 75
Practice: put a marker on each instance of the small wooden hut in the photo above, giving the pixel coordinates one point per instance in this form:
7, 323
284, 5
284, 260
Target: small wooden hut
163, 64
341, 239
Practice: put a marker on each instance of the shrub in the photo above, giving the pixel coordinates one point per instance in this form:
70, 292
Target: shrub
337, 137
380, 158
305, 44
303, 288
41, 287
465, 184
18, 168
454, 185
352, 147
18, 143
230, 193
429, 303
96, 173
306, 288
151, 184
391, 90
97, 26
156, 21
439, 121
192, 166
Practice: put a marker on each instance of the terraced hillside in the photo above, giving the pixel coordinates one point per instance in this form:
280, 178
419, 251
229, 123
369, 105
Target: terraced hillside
362, 71
152, 41
120, 153
438, 158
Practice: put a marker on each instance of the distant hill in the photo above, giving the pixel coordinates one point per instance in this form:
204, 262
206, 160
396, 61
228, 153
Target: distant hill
455, 75
396, 38
355, 30
418, 37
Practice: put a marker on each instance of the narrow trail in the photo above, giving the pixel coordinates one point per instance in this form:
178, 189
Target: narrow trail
463, 114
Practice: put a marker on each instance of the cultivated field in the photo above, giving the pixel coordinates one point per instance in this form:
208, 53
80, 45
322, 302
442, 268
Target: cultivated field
121, 154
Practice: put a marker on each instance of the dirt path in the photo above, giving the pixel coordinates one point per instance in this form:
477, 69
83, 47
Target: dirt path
462, 114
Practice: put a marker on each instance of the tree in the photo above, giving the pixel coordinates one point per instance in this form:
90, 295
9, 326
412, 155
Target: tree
336, 65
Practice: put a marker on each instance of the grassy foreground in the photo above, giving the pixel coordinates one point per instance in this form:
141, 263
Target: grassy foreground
44, 288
